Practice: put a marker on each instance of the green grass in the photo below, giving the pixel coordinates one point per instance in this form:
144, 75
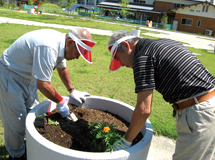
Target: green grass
70, 21
210, 39
50, 5
96, 78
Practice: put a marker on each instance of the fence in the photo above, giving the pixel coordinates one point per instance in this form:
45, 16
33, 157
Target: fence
29, 6
132, 21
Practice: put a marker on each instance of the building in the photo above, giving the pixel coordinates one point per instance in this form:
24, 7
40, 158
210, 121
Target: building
142, 10
197, 18
194, 16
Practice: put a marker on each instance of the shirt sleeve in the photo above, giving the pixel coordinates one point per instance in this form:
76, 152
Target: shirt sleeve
144, 73
62, 64
44, 60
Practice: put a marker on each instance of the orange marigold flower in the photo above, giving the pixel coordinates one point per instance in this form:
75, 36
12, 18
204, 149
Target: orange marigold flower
106, 129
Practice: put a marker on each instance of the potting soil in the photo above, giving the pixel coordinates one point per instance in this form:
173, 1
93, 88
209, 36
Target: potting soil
76, 135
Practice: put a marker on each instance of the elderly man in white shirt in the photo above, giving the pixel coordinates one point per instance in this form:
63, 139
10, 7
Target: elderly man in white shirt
26, 66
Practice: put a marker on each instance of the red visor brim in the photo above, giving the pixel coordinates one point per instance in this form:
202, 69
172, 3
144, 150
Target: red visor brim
85, 53
114, 65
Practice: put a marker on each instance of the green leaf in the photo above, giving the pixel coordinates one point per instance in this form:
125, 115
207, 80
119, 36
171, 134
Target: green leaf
106, 139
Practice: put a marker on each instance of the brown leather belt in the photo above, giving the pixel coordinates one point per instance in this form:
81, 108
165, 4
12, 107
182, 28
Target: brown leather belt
192, 102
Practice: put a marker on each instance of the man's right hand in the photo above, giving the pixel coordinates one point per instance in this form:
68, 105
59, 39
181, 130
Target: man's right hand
63, 108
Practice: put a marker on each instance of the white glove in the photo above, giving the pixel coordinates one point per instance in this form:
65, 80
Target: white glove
121, 144
63, 108
79, 96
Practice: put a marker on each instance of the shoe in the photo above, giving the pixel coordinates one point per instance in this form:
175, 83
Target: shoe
23, 157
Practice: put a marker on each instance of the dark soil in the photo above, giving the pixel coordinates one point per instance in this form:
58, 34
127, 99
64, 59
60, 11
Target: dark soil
76, 135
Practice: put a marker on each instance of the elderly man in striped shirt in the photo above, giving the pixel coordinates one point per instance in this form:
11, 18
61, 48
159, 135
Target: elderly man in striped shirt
170, 68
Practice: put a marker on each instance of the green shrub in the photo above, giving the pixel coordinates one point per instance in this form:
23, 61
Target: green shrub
1, 3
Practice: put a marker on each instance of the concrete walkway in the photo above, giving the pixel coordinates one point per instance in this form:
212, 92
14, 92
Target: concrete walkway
196, 41
162, 148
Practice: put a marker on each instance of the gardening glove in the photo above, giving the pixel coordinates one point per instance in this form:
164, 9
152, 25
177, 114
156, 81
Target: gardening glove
63, 108
80, 97
121, 144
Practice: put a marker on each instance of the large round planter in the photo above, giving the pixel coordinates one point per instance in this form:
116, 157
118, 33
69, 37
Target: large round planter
39, 148
30, 10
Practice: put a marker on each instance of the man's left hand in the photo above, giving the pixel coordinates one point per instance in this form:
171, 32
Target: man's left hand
121, 144
80, 97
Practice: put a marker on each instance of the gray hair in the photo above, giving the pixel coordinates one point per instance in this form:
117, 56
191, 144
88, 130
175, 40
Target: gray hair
120, 34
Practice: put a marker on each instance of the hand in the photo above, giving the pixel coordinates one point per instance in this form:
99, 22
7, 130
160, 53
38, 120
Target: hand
79, 96
121, 144
63, 108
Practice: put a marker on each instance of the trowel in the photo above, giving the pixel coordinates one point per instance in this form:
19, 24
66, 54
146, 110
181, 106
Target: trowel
71, 117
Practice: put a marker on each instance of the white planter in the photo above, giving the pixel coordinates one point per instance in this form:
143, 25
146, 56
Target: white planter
136, 32
39, 148
31, 10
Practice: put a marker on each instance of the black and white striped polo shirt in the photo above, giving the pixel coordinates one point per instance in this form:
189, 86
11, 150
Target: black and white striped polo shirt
170, 68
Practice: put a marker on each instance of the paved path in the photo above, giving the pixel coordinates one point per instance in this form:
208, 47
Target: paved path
162, 148
26, 22
190, 39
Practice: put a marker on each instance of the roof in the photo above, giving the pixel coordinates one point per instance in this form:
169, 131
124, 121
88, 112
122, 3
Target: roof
199, 0
86, 8
192, 5
133, 7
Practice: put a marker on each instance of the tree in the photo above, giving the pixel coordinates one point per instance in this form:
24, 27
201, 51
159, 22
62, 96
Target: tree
124, 8
42, 1
164, 20
70, 4
30, 2
67, 4
62, 3
12, 4
1, 2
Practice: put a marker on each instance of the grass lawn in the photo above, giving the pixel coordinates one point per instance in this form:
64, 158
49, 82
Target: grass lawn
96, 78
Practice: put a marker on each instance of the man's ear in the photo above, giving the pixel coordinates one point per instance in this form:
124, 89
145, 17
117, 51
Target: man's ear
69, 42
126, 45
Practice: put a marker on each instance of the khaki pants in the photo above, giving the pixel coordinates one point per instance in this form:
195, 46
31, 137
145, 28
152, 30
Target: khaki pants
196, 132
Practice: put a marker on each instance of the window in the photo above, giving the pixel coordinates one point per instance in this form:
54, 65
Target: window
199, 23
207, 9
203, 8
177, 5
186, 21
139, 1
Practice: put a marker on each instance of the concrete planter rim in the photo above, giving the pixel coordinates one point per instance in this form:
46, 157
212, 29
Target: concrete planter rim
81, 154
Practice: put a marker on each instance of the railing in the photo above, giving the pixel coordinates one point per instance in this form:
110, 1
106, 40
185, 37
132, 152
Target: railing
29, 6
133, 21
90, 14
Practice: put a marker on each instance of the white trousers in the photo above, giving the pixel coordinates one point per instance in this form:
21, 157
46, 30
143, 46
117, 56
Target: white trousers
195, 127
17, 96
